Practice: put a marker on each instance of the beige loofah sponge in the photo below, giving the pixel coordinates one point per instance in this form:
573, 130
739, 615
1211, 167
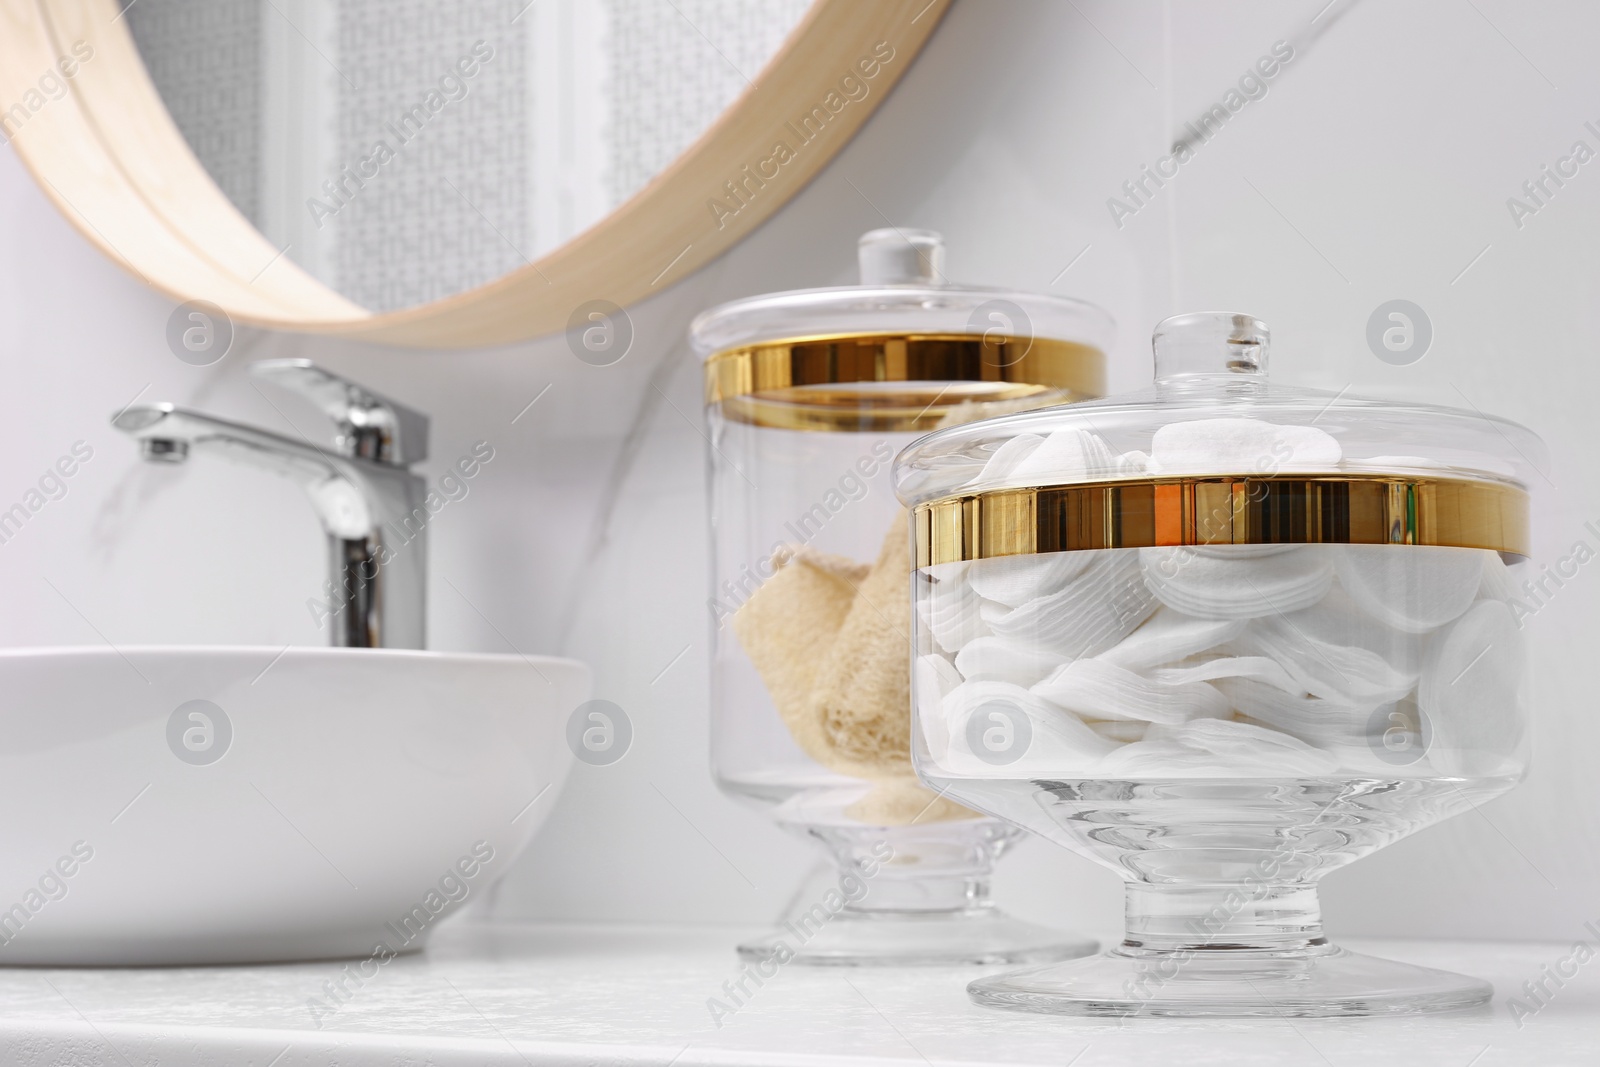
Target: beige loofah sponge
905, 802
831, 639
787, 627
863, 694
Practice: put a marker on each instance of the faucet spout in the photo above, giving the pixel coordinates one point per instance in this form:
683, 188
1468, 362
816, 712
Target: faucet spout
372, 512
166, 431
164, 450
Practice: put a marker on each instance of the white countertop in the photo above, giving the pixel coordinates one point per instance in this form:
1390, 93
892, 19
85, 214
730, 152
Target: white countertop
542, 995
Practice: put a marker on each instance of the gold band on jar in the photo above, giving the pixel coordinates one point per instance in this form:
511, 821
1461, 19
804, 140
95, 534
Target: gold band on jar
894, 382
1352, 509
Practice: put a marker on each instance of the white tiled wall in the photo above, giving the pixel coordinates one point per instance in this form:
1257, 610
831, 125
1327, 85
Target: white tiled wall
1377, 166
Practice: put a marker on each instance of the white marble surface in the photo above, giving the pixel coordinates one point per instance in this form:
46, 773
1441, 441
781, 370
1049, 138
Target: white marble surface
547, 995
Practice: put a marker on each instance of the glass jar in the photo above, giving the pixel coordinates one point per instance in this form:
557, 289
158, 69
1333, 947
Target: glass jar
809, 395
1223, 637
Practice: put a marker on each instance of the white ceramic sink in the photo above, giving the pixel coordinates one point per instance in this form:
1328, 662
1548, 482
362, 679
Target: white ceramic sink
355, 783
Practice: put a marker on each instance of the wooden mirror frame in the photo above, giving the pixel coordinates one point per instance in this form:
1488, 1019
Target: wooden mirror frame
109, 156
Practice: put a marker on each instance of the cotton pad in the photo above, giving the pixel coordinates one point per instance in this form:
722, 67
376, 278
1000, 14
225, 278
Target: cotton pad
1240, 446
1469, 691
1093, 689
1410, 587
1237, 585
1089, 614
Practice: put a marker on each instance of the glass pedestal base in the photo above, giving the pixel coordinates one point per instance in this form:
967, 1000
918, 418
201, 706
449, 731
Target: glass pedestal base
910, 894
978, 935
1320, 982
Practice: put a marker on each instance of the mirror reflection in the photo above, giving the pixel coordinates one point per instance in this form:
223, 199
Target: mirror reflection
401, 151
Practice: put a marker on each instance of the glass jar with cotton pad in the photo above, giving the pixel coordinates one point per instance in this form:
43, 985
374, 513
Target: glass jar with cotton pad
1223, 636
809, 395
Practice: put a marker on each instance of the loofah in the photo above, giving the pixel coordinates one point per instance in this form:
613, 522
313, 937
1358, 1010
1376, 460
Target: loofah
863, 682
786, 627
830, 638
842, 567
906, 802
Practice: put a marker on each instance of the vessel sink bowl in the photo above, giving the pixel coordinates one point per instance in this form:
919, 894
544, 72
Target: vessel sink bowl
226, 805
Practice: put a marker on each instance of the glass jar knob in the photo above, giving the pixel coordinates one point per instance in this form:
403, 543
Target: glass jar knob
901, 257
1210, 345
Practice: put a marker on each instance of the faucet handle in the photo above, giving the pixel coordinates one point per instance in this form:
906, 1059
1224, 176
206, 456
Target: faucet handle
371, 426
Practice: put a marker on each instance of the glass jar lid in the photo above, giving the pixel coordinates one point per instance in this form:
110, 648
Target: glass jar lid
1216, 453
900, 351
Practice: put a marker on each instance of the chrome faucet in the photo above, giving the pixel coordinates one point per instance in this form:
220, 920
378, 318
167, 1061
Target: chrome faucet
370, 503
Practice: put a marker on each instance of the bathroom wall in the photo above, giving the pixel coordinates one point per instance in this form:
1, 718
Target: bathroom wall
1376, 166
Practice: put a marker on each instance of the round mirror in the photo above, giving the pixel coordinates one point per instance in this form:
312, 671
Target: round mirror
436, 172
